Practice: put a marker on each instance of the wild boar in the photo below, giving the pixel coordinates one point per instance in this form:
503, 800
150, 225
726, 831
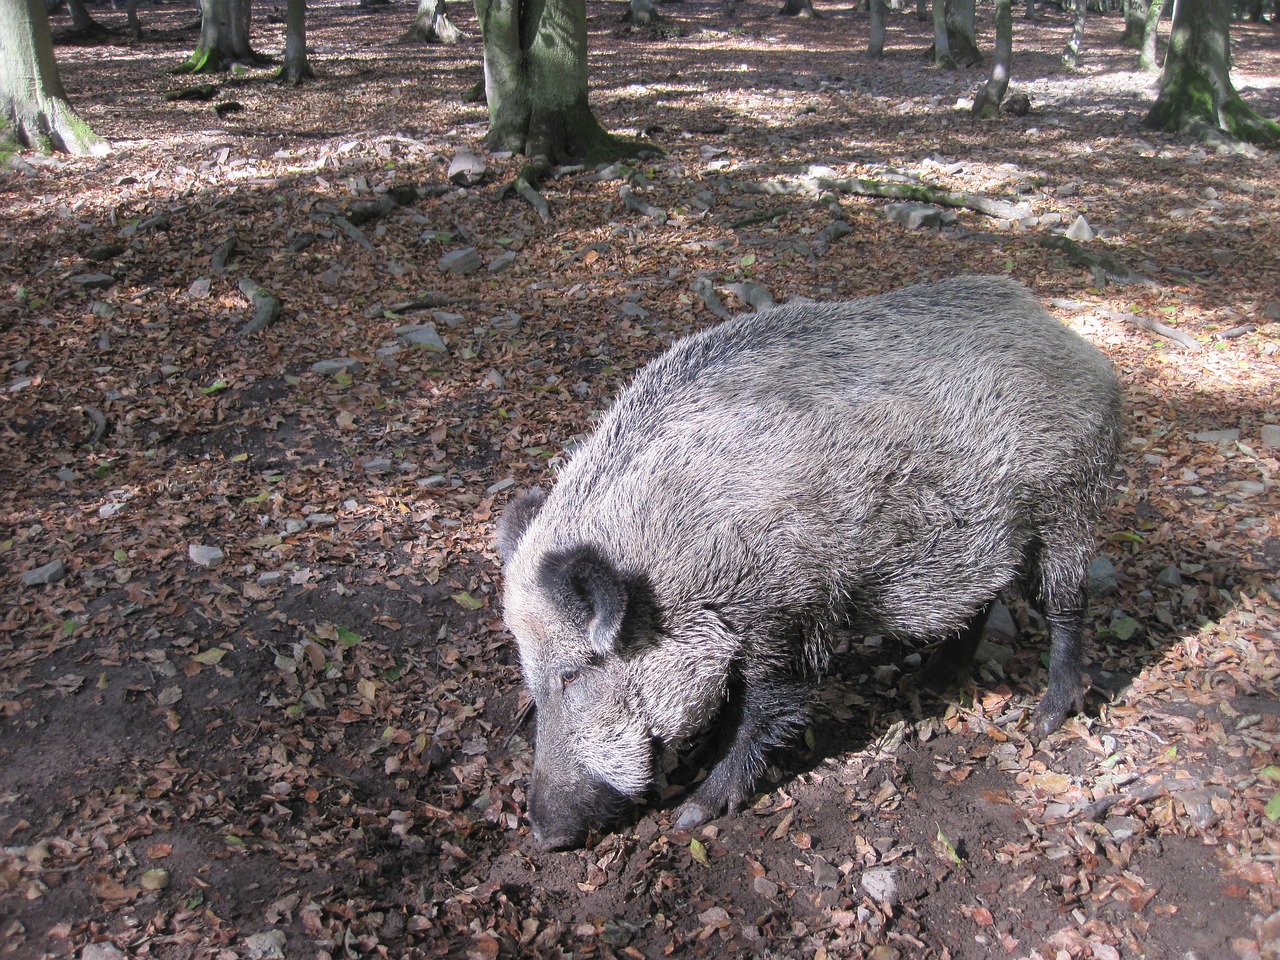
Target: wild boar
886, 465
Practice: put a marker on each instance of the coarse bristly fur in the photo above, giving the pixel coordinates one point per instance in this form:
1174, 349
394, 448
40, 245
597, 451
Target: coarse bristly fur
889, 464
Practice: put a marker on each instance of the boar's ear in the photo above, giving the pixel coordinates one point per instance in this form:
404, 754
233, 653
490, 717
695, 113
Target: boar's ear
515, 519
591, 591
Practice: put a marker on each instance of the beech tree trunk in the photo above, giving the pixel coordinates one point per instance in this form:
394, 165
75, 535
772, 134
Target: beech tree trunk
1135, 24
1195, 87
535, 80
34, 111
875, 43
962, 35
941, 42
798, 8
986, 105
1147, 59
82, 24
432, 25
295, 69
1071, 55
224, 38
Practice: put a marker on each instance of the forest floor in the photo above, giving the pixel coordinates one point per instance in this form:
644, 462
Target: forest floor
265, 706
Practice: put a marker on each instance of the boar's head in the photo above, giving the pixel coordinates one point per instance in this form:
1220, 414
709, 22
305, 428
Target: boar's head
578, 622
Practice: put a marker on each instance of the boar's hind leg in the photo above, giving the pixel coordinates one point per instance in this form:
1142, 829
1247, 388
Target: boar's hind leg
1066, 656
760, 714
954, 656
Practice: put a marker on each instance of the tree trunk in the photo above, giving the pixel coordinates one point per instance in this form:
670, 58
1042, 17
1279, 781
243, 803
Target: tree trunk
986, 105
1135, 24
875, 44
83, 26
962, 36
224, 38
1150, 37
34, 111
798, 8
1071, 55
941, 43
1195, 87
296, 69
535, 80
135, 28
432, 25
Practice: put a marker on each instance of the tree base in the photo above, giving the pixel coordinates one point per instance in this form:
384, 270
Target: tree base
49, 126
295, 75
1194, 101
432, 30
211, 60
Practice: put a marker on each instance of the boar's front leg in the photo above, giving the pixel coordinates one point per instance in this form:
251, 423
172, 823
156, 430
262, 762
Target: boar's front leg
759, 714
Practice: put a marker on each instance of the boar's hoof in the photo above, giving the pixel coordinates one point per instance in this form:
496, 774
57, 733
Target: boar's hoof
560, 841
692, 815
1052, 711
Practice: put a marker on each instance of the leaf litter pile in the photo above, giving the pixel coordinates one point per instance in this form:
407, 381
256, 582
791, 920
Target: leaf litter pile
255, 696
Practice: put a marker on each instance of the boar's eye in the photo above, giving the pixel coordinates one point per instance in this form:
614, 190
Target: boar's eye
568, 676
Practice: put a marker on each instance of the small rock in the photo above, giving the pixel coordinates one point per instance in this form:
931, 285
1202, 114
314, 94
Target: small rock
632, 309
1080, 231
422, 335
1249, 488
495, 379
1170, 576
322, 519
1271, 436
269, 578
109, 510
1122, 828
204, 555
1000, 625
881, 885
265, 946
1272, 311
502, 261
1199, 805
94, 281
824, 874
199, 289
464, 261
765, 887
295, 525
504, 484
467, 169
913, 215
1217, 436
378, 465
1102, 578
54, 570
101, 951
65, 474
341, 365
105, 251
988, 651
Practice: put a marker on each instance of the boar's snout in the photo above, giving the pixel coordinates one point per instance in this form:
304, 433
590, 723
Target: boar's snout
562, 814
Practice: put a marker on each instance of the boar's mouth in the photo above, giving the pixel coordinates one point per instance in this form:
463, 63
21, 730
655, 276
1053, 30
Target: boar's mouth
562, 820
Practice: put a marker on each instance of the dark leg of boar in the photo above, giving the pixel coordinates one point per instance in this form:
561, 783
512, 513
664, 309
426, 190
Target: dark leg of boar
761, 713
953, 658
1066, 656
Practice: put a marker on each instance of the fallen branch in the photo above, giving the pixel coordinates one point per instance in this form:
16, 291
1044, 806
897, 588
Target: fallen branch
637, 205
1101, 263
1158, 328
896, 190
222, 254
267, 306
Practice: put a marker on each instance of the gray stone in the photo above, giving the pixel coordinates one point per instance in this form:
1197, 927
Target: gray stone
881, 885
1272, 311
632, 309
464, 261
1080, 231
824, 874
101, 951
504, 484
54, 570
466, 169
496, 379
205, 555
1102, 578
265, 946
913, 215
378, 465
422, 335
94, 281
502, 261
1249, 488
341, 365
295, 525
1000, 625
66, 474
321, 519
1217, 436
269, 578
1271, 435
1170, 576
